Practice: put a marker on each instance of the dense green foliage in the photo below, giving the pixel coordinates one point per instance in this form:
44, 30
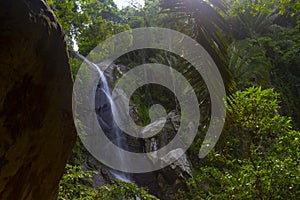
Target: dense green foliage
256, 46
76, 184
258, 156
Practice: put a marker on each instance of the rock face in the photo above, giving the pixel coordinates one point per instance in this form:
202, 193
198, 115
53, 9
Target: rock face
165, 182
36, 124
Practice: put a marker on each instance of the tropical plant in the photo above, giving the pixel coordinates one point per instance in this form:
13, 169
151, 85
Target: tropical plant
71, 17
259, 158
204, 21
248, 63
76, 184
284, 50
122, 190
273, 28
252, 25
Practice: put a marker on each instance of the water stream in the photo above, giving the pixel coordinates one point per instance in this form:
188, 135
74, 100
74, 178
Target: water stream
104, 111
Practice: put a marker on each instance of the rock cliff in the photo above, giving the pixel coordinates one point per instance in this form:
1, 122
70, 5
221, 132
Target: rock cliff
36, 124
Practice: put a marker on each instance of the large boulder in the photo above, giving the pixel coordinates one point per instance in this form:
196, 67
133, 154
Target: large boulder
36, 125
165, 182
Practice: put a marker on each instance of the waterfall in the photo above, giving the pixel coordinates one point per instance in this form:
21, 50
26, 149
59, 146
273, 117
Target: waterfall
104, 111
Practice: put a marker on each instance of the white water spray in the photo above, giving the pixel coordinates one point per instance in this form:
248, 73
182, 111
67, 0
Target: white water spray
107, 102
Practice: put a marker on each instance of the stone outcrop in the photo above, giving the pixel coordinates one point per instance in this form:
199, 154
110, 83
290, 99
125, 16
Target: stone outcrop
36, 124
165, 182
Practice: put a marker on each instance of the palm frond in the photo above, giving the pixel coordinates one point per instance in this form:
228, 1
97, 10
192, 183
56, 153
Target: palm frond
208, 27
248, 64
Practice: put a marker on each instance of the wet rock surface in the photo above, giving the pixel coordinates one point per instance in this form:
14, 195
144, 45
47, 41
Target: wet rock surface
36, 124
163, 183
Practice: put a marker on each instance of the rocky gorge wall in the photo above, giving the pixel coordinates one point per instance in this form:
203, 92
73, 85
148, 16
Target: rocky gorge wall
36, 124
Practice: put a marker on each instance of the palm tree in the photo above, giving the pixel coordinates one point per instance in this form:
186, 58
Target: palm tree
248, 64
250, 25
204, 21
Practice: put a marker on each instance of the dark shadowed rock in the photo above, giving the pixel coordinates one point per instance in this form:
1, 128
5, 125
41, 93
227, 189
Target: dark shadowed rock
36, 125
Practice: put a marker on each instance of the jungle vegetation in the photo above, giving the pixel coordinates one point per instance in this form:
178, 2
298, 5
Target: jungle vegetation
256, 47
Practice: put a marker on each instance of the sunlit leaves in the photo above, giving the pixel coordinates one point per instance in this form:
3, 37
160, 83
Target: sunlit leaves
76, 184
267, 166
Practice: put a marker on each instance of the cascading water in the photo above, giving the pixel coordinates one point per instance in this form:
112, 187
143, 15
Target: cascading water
104, 110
